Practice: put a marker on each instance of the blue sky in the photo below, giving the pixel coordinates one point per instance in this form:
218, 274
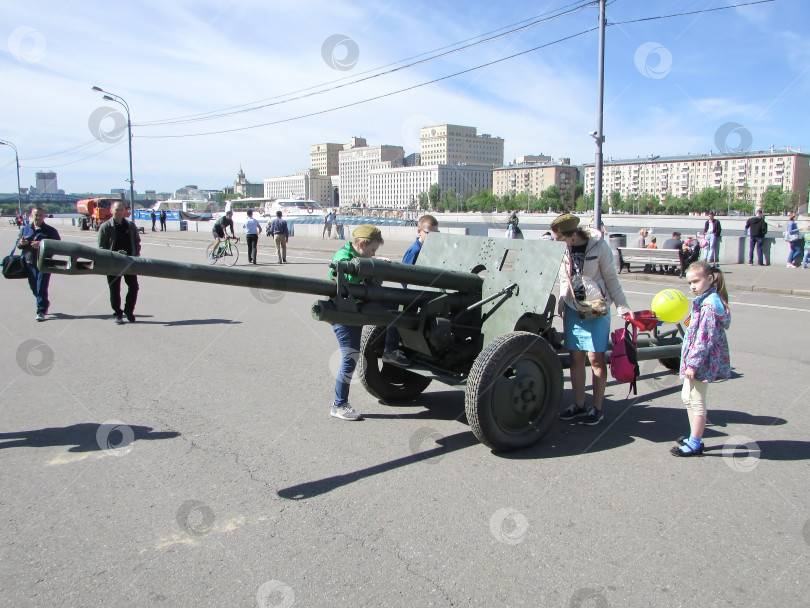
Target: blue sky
672, 86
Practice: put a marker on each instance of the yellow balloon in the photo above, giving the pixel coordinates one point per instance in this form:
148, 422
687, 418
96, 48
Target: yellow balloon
670, 305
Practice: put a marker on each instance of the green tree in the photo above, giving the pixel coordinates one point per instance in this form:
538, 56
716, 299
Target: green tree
772, 200
550, 198
424, 201
434, 195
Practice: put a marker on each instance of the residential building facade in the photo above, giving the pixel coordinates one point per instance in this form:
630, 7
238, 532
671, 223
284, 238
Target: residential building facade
456, 144
746, 175
399, 188
534, 178
305, 184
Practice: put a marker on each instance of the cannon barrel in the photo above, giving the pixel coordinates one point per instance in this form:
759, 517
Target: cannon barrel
62, 257
369, 268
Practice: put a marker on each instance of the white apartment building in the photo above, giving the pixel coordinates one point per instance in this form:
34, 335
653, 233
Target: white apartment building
306, 184
745, 174
324, 158
455, 145
399, 187
536, 177
354, 166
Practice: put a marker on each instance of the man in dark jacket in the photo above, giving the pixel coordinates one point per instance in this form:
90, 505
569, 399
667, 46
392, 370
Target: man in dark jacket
30, 236
757, 228
117, 234
712, 230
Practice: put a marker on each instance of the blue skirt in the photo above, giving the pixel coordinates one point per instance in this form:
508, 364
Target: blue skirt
591, 335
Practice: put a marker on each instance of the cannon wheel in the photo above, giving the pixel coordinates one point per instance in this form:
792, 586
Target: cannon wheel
513, 391
386, 382
671, 363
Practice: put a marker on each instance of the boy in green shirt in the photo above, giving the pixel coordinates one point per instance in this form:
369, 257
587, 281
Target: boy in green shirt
367, 240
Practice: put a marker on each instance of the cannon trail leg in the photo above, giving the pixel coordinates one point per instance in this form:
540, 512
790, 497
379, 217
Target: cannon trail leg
514, 391
386, 382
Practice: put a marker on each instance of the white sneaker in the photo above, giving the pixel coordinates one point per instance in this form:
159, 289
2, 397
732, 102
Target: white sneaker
344, 412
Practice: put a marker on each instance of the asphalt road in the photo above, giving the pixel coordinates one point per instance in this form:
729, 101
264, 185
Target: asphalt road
189, 460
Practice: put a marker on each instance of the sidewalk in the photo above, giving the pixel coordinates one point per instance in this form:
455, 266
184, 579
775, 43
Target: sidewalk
739, 277
742, 277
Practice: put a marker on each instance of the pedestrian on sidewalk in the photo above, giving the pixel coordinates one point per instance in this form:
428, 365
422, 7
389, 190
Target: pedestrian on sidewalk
153, 217
756, 227
162, 220
712, 229
121, 236
367, 239
281, 234
705, 352
794, 238
252, 229
806, 258
31, 234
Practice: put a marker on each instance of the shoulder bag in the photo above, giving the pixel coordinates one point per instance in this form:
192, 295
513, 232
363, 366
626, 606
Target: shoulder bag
587, 309
14, 265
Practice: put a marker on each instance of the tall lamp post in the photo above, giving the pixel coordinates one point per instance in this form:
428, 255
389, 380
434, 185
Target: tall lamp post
120, 100
17, 159
598, 135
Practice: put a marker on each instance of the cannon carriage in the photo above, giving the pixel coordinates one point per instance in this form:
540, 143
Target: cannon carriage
476, 314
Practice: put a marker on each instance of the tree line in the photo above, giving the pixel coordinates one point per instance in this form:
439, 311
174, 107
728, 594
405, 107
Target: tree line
775, 201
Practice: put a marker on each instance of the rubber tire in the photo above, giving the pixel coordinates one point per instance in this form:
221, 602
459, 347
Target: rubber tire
502, 372
208, 257
230, 260
671, 363
388, 383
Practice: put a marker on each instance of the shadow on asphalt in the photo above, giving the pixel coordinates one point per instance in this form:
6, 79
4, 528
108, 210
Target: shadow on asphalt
445, 445
84, 437
626, 420
141, 320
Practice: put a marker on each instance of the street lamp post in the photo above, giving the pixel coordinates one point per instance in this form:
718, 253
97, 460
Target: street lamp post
120, 100
598, 134
3, 142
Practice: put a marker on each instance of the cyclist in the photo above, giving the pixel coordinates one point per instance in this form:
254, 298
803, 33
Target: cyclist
218, 231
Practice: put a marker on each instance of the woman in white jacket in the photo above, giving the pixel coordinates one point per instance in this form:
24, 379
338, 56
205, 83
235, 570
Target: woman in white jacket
587, 273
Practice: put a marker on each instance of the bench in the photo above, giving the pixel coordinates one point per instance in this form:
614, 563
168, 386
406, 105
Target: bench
648, 257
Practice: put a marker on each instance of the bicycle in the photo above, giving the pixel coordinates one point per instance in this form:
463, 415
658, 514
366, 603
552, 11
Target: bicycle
227, 251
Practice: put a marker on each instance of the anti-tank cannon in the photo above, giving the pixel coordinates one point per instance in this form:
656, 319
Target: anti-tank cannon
477, 314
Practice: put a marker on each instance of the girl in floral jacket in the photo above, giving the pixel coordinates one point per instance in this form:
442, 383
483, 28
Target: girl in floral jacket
704, 355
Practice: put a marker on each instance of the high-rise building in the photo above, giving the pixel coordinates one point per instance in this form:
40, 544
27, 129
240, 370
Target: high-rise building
324, 158
745, 174
534, 178
46, 182
244, 188
457, 145
354, 167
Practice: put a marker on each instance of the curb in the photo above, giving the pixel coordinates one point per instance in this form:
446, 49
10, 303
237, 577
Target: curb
804, 293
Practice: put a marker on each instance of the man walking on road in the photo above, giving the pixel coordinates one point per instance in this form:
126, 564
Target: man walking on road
757, 228
30, 237
278, 228
117, 234
252, 230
